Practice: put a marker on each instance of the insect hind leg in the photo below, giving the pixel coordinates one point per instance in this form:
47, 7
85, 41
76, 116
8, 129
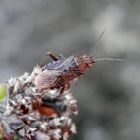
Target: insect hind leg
61, 57
52, 56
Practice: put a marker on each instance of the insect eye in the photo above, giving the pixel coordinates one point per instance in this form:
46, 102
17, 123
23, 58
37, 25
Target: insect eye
65, 70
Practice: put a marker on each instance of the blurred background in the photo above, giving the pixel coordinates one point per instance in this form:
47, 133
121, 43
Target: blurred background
109, 93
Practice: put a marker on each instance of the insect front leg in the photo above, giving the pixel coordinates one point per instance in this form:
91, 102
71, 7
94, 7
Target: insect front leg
66, 87
52, 56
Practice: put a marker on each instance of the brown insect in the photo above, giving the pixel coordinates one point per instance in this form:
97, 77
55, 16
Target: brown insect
59, 73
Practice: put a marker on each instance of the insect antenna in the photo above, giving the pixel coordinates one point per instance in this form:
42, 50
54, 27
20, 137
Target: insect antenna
109, 59
101, 35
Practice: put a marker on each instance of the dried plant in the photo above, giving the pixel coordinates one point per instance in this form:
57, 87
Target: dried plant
36, 115
39, 105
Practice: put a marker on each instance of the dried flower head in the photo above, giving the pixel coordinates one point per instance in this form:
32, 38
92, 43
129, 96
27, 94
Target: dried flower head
33, 114
39, 105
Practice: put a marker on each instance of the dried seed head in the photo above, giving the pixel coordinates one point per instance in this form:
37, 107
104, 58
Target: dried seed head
38, 115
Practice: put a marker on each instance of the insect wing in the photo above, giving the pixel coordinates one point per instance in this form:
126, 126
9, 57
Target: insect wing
54, 65
60, 64
67, 63
47, 78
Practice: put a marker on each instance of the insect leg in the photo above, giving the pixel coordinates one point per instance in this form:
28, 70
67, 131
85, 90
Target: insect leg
62, 91
66, 87
52, 56
61, 57
44, 58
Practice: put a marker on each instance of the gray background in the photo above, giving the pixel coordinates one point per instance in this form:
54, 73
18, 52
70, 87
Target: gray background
109, 93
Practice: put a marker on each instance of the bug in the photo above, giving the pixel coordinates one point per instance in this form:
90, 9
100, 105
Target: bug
62, 71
